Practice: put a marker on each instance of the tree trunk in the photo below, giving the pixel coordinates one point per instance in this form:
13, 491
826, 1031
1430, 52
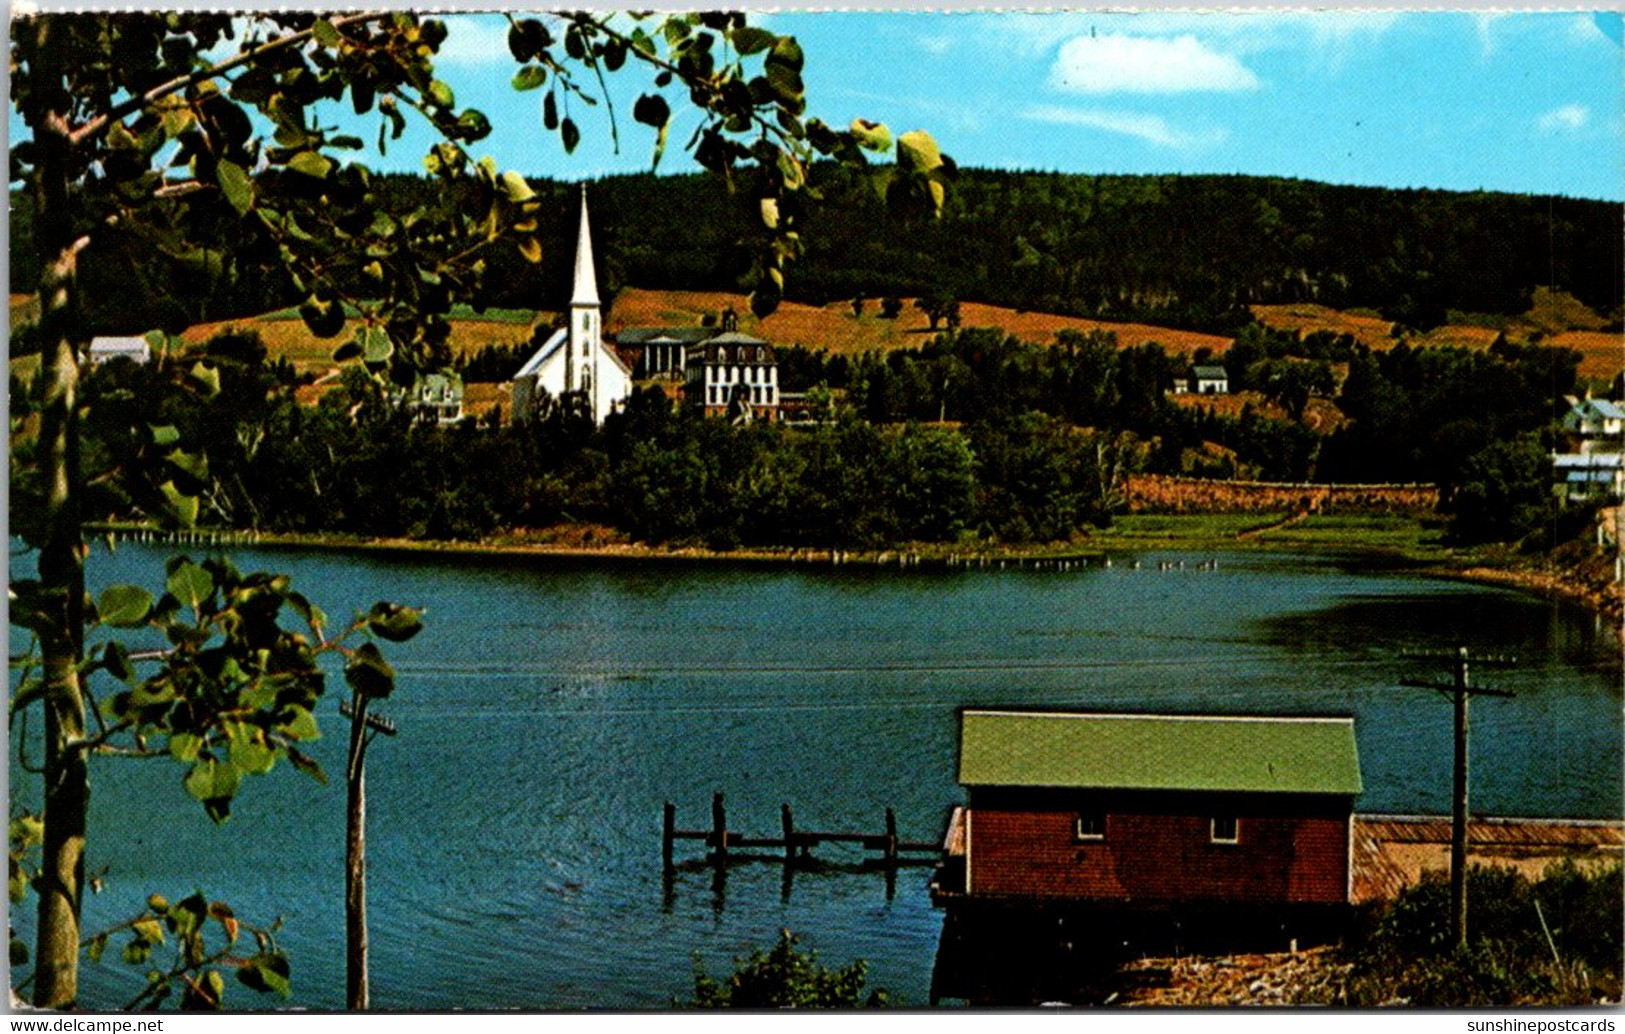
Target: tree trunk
61, 563
355, 863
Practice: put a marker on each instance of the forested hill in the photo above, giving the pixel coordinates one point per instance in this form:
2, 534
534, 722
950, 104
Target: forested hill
1186, 251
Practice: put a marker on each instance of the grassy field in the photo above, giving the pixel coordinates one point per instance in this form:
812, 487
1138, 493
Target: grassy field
1410, 537
285, 335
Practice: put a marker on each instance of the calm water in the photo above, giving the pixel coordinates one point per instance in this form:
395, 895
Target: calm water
549, 709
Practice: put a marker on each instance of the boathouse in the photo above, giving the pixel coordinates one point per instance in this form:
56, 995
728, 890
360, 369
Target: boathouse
1153, 810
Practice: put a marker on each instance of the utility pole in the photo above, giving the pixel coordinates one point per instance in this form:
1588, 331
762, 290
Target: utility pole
363, 728
1460, 691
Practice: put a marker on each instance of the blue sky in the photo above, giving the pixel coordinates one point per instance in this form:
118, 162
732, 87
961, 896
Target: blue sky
1520, 102
1527, 102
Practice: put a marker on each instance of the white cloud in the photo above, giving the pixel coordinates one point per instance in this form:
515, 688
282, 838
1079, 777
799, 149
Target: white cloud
1568, 118
1153, 129
1114, 63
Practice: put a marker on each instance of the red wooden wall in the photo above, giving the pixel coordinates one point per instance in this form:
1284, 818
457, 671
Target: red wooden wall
1161, 855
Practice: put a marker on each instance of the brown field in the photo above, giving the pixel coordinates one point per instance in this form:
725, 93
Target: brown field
1602, 353
290, 339
1306, 318
1321, 415
1556, 316
834, 328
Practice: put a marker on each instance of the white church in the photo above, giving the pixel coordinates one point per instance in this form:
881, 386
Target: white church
575, 362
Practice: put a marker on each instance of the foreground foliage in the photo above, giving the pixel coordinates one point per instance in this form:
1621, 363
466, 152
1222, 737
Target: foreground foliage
1552, 941
787, 977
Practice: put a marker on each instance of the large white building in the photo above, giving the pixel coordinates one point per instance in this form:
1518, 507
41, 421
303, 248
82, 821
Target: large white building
574, 363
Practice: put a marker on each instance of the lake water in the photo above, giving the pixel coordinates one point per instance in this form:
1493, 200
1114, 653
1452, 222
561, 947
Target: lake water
550, 707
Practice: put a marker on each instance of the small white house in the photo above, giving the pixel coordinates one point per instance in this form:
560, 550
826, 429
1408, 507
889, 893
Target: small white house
1210, 380
437, 398
106, 349
575, 360
1598, 424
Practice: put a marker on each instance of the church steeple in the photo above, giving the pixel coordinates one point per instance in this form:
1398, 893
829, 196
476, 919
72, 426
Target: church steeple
586, 281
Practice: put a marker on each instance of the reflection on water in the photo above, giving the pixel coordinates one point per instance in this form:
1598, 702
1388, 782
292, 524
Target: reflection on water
550, 709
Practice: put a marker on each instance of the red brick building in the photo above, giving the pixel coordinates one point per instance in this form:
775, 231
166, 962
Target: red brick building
1154, 809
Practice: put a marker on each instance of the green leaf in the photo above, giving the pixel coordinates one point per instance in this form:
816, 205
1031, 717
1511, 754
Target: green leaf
550, 112
96, 947
191, 584
214, 784
19, 953
369, 673
570, 135
786, 54
376, 347
529, 77
872, 136
531, 249
266, 973
442, 94
235, 184
192, 463
149, 930
251, 756
206, 376
652, 110
515, 187
26, 831
748, 39
164, 435
124, 606
307, 610
187, 915
393, 622
311, 163
184, 746
918, 152
325, 33
183, 507
116, 659
136, 952
300, 724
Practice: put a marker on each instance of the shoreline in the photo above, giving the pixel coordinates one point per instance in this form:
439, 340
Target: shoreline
1600, 595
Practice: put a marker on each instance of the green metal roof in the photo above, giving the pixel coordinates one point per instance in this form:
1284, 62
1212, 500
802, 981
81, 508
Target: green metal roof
1158, 752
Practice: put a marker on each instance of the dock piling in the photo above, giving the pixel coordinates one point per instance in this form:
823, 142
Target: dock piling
667, 835
719, 829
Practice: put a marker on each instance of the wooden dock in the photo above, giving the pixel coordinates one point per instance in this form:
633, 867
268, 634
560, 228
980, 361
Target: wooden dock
795, 844
1392, 851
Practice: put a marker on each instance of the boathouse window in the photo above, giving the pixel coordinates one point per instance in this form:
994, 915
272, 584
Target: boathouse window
1091, 825
1226, 830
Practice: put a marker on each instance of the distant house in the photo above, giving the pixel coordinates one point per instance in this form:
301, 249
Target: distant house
436, 398
1593, 468
659, 352
734, 375
1155, 810
1594, 425
1210, 380
106, 349
575, 363
1588, 477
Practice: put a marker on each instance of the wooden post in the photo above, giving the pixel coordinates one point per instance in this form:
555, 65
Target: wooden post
355, 863
1459, 691
719, 829
669, 828
789, 835
1458, 817
891, 838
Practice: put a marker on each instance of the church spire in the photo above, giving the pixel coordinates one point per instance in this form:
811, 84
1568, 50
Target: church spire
586, 281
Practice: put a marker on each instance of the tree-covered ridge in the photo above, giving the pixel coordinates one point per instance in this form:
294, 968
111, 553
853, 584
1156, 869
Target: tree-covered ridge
1185, 251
